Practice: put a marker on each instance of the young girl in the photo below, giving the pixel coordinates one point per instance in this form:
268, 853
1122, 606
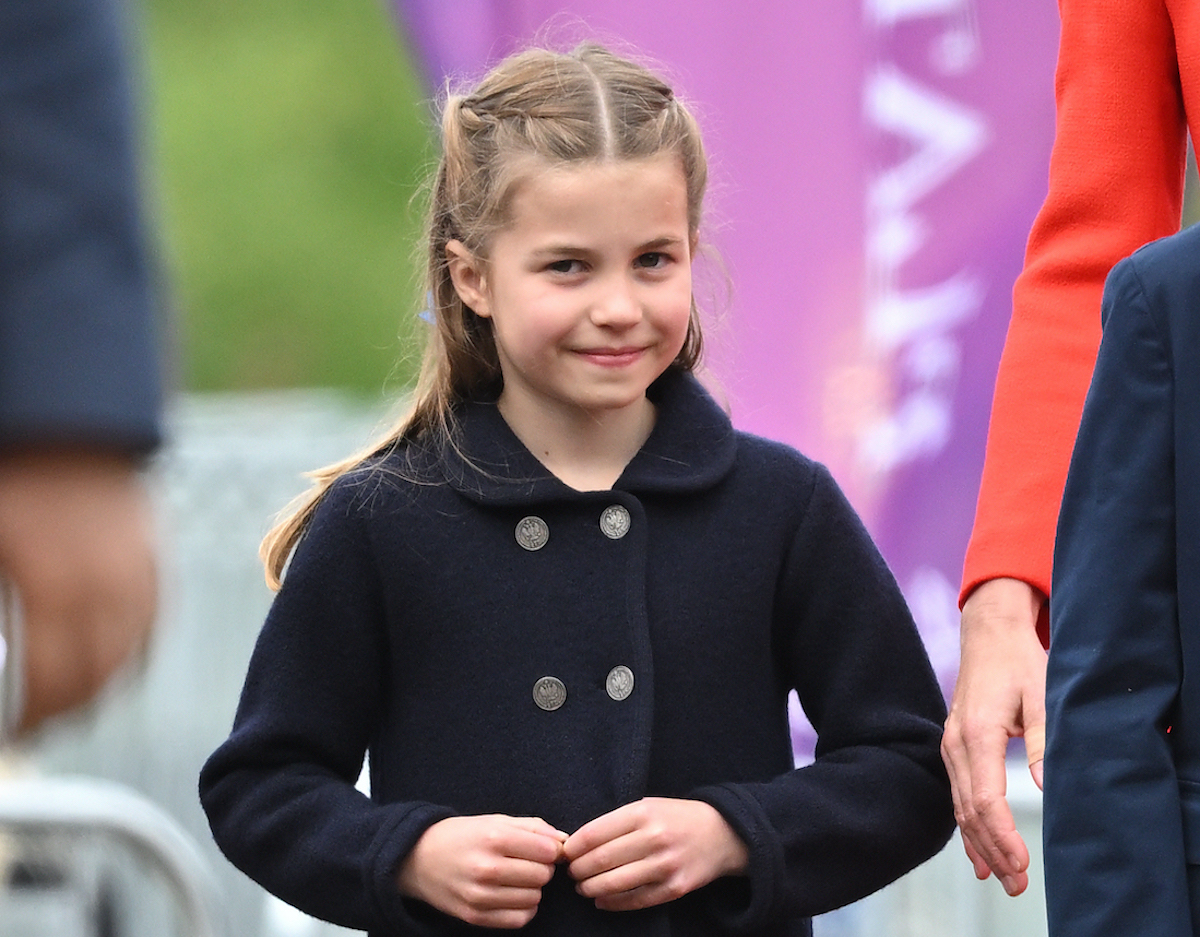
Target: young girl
561, 606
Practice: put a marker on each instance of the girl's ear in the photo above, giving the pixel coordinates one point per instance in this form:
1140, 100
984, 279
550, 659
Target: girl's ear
470, 281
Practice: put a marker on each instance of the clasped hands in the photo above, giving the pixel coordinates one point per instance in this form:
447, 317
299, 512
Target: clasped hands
490, 870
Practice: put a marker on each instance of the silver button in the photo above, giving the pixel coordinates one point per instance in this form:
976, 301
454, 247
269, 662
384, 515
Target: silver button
532, 533
619, 683
614, 522
549, 693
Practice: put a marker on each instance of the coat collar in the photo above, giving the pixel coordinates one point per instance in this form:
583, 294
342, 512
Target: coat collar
691, 448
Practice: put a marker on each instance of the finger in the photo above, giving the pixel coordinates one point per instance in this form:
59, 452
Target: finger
500, 920
1015, 884
960, 783
608, 858
1011, 870
960, 791
508, 914
957, 759
501, 896
982, 871
623, 879
602, 830
990, 826
1035, 749
518, 838
513, 873
998, 843
533, 847
658, 890
538, 825
981, 808
648, 896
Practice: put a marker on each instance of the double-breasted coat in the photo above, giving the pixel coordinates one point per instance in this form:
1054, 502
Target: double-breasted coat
1122, 796
501, 643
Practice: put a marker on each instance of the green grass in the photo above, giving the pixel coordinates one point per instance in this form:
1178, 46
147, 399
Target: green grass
287, 141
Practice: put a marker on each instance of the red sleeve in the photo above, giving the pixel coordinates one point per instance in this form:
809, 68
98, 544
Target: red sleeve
1116, 182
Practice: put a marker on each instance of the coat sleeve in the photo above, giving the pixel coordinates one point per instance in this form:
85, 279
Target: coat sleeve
1116, 182
875, 803
280, 791
79, 353
1112, 819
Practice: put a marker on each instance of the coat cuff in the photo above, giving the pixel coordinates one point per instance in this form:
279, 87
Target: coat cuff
392, 844
740, 909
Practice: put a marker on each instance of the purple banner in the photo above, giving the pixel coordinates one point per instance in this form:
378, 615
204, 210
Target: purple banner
876, 168
959, 118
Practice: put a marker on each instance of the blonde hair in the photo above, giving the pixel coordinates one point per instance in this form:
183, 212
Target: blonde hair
587, 105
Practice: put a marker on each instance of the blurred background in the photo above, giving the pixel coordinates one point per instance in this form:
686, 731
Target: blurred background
875, 166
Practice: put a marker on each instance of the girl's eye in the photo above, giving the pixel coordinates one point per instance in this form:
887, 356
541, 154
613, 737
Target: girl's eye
652, 260
564, 266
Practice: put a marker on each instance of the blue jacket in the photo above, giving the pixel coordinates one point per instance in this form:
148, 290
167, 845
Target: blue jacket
79, 355
1122, 796
419, 618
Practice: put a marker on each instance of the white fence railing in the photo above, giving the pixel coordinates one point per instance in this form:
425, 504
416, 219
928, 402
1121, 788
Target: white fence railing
78, 846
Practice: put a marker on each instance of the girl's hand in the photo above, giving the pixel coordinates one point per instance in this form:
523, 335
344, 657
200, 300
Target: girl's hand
488, 871
652, 851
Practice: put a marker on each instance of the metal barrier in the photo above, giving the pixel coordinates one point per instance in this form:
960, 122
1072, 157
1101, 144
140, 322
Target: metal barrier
83, 812
229, 464
57, 834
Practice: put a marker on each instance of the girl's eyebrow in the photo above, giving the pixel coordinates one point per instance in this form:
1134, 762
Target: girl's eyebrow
661, 242
557, 250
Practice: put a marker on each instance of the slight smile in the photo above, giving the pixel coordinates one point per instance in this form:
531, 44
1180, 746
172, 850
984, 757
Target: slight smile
612, 357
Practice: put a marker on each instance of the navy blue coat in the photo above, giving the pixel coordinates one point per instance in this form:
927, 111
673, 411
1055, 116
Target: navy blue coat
79, 357
412, 623
1122, 795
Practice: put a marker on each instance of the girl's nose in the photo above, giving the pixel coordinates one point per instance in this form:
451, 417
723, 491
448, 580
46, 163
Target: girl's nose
617, 306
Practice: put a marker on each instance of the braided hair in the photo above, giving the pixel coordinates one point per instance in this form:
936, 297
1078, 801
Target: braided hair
536, 108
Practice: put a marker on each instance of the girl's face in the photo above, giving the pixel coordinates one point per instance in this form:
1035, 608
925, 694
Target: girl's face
589, 288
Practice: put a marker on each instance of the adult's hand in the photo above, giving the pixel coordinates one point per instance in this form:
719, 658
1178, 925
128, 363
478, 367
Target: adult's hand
486, 870
77, 547
1000, 694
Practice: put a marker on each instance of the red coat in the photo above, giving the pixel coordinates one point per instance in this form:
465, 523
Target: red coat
1127, 71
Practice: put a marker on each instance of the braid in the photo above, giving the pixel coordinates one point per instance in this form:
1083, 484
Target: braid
535, 106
